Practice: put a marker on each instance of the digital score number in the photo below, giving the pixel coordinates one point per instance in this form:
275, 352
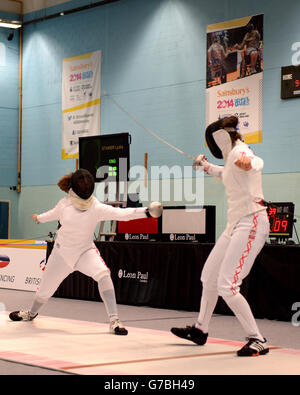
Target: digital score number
290, 82
281, 217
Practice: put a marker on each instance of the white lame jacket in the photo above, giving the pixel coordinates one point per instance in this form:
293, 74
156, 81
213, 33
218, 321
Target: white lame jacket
76, 233
243, 188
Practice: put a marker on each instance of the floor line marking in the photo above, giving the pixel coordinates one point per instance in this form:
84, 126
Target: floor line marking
154, 359
36, 366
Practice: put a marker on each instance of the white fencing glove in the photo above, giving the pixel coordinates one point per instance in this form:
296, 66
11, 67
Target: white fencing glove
154, 210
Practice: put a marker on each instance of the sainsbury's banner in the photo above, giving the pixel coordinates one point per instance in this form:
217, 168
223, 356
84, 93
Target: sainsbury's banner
22, 264
81, 79
235, 74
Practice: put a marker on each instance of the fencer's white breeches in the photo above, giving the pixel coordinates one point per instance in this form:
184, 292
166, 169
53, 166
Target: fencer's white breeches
228, 264
233, 256
90, 263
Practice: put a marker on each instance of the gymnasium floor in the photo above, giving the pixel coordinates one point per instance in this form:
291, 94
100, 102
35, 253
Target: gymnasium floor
71, 337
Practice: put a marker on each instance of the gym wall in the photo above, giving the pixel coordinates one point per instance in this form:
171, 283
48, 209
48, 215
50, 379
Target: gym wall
154, 63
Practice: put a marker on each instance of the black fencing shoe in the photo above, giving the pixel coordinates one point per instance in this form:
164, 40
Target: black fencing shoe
22, 316
191, 333
254, 348
117, 328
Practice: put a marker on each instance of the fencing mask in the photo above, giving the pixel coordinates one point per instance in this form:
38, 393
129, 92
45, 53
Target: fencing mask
82, 183
218, 138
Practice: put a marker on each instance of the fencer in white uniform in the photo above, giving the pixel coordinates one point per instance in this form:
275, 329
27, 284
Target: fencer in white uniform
246, 232
74, 248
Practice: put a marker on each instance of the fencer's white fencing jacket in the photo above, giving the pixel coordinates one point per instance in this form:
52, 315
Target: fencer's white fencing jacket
76, 234
243, 188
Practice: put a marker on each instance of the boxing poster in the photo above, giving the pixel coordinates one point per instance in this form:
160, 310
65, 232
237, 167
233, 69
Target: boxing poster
234, 74
81, 96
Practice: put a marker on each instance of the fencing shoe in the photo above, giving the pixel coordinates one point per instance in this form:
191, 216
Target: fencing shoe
117, 328
22, 316
191, 333
254, 348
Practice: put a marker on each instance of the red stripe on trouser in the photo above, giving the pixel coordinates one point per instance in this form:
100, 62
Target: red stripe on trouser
103, 261
245, 255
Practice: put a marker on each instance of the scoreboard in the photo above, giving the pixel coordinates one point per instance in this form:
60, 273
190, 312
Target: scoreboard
106, 156
290, 82
281, 217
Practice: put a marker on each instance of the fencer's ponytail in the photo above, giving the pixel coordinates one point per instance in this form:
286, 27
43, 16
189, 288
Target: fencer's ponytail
230, 122
65, 183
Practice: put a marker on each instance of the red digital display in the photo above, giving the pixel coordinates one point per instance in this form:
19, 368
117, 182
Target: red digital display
297, 84
281, 217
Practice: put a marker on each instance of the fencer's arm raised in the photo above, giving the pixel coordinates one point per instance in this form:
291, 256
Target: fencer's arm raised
107, 212
248, 161
48, 216
257, 163
213, 170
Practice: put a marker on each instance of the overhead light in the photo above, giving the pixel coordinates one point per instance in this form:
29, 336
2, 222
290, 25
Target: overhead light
10, 24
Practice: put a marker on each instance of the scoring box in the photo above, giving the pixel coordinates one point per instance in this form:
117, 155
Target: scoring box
177, 224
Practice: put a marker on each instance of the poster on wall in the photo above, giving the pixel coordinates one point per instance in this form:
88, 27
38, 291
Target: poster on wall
234, 74
81, 96
22, 264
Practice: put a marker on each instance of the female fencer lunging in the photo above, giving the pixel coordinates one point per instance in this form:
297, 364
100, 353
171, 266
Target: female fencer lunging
246, 232
74, 249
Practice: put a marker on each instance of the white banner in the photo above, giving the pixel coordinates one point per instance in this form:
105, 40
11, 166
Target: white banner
22, 265
81, 97
235, 74
242, 98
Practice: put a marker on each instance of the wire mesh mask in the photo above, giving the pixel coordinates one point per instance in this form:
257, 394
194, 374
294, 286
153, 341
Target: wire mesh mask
82, 183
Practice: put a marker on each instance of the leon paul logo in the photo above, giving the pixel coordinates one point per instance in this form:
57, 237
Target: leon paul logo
182, 237
4, 261
139, 276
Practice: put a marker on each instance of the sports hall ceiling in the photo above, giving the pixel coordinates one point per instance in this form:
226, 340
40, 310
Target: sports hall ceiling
13, 6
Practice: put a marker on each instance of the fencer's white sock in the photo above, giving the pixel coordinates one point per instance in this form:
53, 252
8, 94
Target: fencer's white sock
107, 293
208, 303
240, 307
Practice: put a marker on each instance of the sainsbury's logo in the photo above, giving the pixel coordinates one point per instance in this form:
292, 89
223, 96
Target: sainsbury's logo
234, 92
